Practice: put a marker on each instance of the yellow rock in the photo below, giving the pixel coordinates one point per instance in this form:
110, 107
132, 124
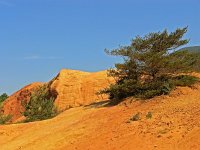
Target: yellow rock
75, 88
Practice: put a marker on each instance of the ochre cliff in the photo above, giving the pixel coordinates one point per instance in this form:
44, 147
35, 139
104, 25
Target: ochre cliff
76, 88
71, 88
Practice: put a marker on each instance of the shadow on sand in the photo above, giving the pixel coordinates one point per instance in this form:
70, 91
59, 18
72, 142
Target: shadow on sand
101, 104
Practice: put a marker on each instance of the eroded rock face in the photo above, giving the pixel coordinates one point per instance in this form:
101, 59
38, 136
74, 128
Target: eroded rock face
14, 104
71, 88
76, 88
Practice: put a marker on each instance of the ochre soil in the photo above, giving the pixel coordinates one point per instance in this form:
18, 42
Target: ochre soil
175, 125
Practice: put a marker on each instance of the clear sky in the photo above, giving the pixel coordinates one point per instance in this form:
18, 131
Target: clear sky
40, 37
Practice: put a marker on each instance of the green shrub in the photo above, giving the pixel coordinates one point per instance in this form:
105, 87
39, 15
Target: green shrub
149, 115
41, 105
159, 86
5, 118
184, 80
135, 117
3, 97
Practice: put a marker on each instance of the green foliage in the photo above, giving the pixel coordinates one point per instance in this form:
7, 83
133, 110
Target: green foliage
41, 105
184, 80
192, 49
4, 118
3, 97
160, 86
195, 51
150, 63
135, 117
149, 115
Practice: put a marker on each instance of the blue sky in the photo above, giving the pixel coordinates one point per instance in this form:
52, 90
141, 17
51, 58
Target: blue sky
40, 37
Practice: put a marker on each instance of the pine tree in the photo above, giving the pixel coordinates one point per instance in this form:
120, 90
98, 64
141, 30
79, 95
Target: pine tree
149, 66
41, 105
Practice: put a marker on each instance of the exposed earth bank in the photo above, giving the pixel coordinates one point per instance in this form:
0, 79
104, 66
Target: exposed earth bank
71, 88
175, 125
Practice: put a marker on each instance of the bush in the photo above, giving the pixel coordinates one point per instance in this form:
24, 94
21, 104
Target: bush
149, 115
41, 105
135, 117
3, 97
184, 80
4, 118
160, 86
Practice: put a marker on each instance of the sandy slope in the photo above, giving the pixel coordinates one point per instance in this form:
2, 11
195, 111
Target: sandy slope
175, 126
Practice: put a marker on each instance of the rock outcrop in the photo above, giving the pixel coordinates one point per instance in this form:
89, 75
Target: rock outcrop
71, 88
75, 88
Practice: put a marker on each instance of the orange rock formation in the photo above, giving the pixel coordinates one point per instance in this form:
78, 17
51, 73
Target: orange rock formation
71, 87
76, 88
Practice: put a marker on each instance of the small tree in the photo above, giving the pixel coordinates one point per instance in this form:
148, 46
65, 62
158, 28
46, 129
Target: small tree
4, 118
41, 105
3, 97
150, 63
